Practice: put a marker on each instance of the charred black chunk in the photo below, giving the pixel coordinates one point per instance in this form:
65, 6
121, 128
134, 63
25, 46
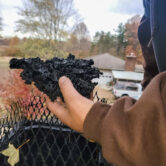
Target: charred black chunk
45, 74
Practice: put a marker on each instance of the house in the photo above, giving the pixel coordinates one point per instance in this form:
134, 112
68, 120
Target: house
108, 63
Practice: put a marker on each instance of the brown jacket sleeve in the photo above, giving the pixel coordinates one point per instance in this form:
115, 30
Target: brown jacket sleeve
132, 133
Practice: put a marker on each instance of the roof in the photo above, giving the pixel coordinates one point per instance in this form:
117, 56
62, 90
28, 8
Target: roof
139, 68
109, 62
127, 75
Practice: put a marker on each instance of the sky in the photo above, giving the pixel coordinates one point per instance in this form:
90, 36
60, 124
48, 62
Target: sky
98, 15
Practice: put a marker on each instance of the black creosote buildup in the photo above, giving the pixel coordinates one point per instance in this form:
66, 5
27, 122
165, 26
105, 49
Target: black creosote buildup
45, 74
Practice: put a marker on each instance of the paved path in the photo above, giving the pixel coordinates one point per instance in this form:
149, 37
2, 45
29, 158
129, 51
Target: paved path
4, 67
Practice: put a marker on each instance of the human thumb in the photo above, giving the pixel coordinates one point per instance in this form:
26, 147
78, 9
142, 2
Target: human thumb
69, 92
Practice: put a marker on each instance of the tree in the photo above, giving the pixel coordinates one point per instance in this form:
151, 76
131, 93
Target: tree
46, 19
79, 40
132, 39
121, 41
81, 31
34, 47
72, 45
103, 42
13, 49
82, 35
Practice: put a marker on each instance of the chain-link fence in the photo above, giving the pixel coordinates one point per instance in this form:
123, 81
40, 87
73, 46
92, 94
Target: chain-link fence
50, 142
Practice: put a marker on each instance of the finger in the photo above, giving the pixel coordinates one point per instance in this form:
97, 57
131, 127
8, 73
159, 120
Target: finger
59, 100
60, 112
54, 106
68, 90
48, 99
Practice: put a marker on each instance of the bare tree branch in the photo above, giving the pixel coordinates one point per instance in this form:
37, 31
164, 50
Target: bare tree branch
47, 18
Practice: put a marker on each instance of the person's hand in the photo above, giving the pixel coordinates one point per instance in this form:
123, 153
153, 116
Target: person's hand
73, 112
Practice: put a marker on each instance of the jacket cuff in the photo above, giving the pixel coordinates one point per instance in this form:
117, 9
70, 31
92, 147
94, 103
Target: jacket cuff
93, 122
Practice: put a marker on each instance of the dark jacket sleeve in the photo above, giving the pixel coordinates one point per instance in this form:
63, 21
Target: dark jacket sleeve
132, 133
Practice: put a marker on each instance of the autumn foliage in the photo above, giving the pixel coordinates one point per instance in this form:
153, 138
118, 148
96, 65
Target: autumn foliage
133, 45
121, 43
12, 50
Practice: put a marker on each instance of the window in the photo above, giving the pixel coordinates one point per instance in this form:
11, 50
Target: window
132, 88
120, 86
